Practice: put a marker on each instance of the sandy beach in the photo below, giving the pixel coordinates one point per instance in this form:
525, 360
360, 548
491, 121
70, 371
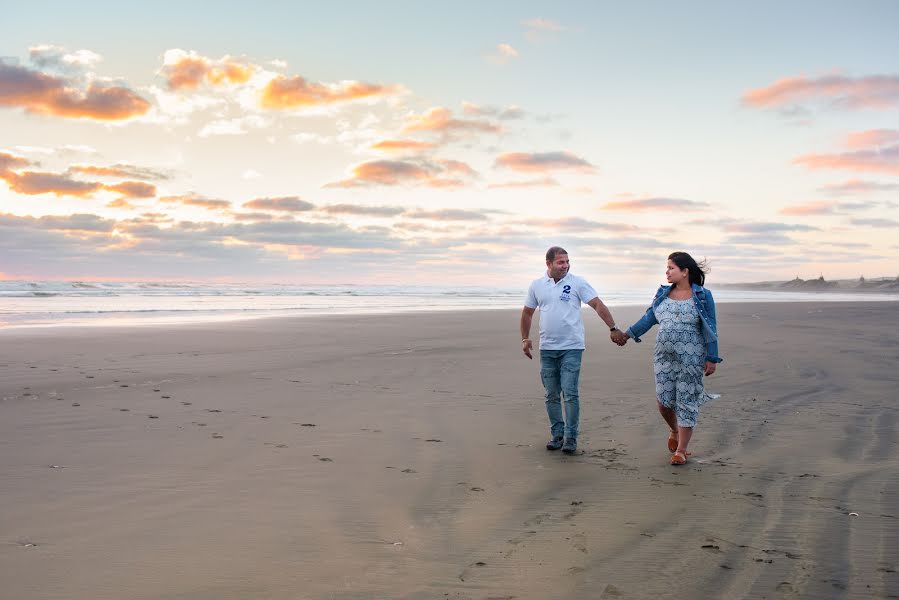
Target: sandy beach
402, 457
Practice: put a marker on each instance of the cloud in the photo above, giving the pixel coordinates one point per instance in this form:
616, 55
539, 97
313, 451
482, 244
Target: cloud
872, 138
11, 162
857, 186
187, 70
296, 92
357, 209
503, 54
440, 119
60, 59
766, 227
396, 172
280, 204
507, 113
817, 207
873, 91
236, 126
250, 174
883, 160
660, 204
54, 95
133, 189
121, 170
541, 162
538, 29
402, 146
884, 223
448, 214
32, 183
578, 224
192, 199
529, 183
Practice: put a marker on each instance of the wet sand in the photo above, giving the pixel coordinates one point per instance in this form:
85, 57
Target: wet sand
402, 457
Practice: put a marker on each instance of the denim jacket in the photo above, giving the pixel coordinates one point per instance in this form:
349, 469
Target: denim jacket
705, 305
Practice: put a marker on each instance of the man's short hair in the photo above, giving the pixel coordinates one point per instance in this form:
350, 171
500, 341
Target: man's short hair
552, 252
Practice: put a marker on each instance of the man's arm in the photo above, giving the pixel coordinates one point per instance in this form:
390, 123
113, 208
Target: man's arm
527, 315
603, 312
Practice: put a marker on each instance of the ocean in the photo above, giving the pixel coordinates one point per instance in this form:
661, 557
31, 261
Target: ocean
81, 303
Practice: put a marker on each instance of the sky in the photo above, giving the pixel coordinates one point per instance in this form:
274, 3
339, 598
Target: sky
447, 143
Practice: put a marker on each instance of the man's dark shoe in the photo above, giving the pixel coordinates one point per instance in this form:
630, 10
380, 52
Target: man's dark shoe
554, 444
570, 446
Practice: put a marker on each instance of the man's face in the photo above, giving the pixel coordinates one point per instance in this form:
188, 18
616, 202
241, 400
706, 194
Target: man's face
559, 266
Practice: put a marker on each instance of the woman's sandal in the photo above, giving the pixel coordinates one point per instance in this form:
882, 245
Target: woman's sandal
679, 458
672, 441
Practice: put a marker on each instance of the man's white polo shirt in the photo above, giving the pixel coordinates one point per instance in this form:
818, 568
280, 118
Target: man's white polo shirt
561, 324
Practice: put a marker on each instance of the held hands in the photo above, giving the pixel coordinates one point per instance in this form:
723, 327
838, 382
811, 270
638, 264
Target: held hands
709, 367
619, 337
526, 347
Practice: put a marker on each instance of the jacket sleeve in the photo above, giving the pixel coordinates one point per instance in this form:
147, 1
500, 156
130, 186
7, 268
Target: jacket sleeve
711, 348
643, 325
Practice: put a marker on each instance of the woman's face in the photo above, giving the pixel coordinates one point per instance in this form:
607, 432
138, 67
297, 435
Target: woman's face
674, 274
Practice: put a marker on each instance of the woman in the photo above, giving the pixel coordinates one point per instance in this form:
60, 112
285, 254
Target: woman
686, 347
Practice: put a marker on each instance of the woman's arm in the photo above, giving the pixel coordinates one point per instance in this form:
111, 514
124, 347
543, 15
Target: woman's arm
643, 325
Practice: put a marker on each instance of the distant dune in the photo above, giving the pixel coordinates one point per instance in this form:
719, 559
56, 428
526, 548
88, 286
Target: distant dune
881, 284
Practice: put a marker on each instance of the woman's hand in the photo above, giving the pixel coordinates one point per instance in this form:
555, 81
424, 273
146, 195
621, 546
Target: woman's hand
710, 367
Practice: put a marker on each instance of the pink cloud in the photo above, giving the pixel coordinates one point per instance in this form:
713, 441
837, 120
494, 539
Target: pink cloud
196, 200
818, 207
530, 183
541, 162
281, 204
873, 91
884, 160
296, 92
857, 186
872, 138
656, 204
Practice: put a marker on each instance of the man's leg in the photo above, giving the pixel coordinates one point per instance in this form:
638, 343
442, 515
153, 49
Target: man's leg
570, 373
552, 386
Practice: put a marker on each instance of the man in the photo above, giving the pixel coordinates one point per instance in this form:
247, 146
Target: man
558, 295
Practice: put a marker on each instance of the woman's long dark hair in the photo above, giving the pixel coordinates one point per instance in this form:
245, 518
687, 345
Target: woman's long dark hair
685, 261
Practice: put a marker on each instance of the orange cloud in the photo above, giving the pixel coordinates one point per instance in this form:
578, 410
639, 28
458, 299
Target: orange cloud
399, 146
447, 214
48, 94
33, 183
187, 70
396, 172
457, 166
872, 138
885, 160
540, 162
542, 182
820, 207
874, 91
120, 203
440, 118
11, 162
295, 92
119, 170
384, 172
133, 189
655, 204
195, 200
282, 204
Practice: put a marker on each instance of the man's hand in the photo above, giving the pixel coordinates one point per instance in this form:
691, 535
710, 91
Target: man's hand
710, 367
526, 347
619, 337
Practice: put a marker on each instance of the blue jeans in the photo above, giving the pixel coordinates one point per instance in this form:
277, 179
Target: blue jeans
560, 371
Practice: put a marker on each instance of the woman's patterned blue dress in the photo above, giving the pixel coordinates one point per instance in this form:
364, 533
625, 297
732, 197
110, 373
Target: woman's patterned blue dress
679, 359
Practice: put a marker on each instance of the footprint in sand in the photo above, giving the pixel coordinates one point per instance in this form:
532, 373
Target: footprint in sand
187, 403
152, 417
213, 410
200, 424
125, 409
155, 390
217, 436
166, 397
75, 404
408, 471
477, 489
711, 547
